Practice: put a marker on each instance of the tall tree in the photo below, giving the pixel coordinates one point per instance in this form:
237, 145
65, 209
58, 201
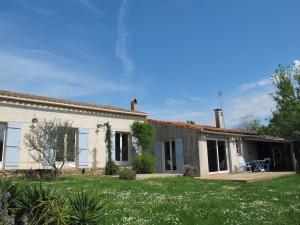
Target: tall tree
249, 123
285, 120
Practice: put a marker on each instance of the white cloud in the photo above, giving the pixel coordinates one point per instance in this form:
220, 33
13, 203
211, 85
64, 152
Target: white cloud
122, 39
251, 85
29, 74
258, 104
90, 5
297, 63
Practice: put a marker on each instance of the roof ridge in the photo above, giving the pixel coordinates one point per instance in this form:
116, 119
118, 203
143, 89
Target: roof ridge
52, 100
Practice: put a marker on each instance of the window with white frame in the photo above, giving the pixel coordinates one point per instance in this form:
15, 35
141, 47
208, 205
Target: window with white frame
66, 145
238, 144
121, 146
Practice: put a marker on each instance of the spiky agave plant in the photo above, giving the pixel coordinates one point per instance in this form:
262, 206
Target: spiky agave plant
85, 210
9, 195
43, 205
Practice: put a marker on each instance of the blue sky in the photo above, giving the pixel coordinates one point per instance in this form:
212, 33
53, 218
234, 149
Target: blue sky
174, 56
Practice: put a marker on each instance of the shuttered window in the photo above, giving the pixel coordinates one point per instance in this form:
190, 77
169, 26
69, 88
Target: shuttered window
2, 131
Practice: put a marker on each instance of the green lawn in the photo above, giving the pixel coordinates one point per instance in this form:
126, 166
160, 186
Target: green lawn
191, 201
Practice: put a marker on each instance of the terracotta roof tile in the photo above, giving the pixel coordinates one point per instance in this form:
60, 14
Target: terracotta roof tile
201, 127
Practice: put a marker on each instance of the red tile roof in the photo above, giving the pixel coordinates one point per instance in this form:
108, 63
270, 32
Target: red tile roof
201, 127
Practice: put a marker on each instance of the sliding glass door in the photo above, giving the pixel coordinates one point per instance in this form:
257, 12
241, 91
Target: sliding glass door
170, 156
217, 155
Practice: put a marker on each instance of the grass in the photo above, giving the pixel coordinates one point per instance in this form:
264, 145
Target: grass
190, 201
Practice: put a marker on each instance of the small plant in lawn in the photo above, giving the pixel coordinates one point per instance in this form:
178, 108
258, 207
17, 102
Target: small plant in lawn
189, 171
111, 168
85, 210
127, 174
144, 163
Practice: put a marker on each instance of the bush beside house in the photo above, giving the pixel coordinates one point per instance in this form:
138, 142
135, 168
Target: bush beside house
144, 163
144, 133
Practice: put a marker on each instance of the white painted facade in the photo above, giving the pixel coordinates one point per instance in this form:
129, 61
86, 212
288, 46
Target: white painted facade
22, 113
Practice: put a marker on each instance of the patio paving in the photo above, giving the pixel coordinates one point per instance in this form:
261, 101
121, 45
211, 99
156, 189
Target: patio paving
247, 177
156, 175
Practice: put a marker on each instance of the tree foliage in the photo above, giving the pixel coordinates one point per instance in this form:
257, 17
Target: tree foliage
52, 143
249, 123
144, 133
285, 120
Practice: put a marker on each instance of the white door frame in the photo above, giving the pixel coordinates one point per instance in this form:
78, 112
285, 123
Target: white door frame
121, 162
171, 154
217, 149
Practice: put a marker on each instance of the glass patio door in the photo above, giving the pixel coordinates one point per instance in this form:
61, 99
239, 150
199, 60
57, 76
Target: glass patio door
217, 156
170, 156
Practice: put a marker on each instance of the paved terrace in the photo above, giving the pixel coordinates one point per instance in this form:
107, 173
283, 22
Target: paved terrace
247, 177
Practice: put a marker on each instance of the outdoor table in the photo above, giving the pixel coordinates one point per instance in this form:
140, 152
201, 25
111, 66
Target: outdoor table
259, 165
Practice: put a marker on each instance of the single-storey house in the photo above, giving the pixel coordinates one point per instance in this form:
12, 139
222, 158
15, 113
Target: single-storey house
19, 111
216, 149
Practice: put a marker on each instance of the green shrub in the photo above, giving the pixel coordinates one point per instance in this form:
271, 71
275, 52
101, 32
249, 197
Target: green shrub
189, 171
144, 133
144, 163
85, 210
111, 168
43, 205
127, 174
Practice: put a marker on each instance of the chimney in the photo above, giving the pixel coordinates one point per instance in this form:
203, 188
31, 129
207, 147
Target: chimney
219, 118
134, 104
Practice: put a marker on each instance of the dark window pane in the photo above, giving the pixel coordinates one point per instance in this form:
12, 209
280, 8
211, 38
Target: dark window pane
60, 145
212, 156
71, 146
117, 146
222, 155
2, 130
167, 156
174, 155
238, 146
124, 147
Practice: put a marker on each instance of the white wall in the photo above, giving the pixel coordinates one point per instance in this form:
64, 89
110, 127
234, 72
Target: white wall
97, 149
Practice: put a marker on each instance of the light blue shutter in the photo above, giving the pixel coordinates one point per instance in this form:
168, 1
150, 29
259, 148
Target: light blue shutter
158, 156
12, 146
83, 142
113, 146
179, 154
